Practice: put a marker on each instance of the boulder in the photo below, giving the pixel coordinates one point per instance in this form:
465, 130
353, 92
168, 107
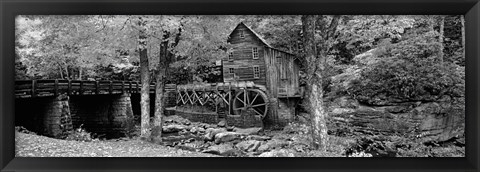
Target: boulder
227, 137
222, 123
219, 149
230, 128
257, 137
278, 153
272, 144
173, 128
249, 145
248, 131
438, 121
211, 132
176, 119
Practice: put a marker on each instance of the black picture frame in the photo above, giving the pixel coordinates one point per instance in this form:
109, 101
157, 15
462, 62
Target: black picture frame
10, 8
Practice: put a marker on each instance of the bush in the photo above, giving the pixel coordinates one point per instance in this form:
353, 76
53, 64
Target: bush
408, 71
22, 129
79, 134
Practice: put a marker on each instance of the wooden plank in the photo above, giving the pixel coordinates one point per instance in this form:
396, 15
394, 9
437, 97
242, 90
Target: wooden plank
130, 86
34, 88
69, 89
81, 88
110, 88
137, 89
56, 88
123, 87
97, 89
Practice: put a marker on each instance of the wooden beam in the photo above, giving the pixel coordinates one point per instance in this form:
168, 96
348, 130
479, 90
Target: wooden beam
69, 89
136, 90
81, 88
55, 88
130, 86
34, 87
110, 88
123, 87
96, 87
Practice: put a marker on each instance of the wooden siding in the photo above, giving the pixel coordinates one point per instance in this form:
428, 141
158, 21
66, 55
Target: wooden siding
242, 60
282, 72
249, 37
278, 70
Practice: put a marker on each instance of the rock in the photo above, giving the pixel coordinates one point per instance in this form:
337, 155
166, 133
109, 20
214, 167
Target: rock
200, 130
227, 137
219, 149
278, 153
176, 119
222, 123
230, 128
438, 121
205, 126
186, 147
197, 130
259, 138
173, 128
249, 145
189, 140
263, 148
194, 130
211, 132
155, 135
377, 146
248, 131
233, 153
272, 144
301, 118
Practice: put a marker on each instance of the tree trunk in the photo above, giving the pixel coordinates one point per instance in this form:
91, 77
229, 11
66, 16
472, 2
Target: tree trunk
67, 74
159, 89
462, 20
314, 92
145, 81
80, 71
440, 39
61, 71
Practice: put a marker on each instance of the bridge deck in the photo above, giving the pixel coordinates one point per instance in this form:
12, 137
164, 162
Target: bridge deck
42, 88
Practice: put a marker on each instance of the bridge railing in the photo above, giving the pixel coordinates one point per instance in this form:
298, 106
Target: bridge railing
35, 88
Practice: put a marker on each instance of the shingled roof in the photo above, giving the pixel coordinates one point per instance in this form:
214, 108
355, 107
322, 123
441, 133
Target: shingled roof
259, 37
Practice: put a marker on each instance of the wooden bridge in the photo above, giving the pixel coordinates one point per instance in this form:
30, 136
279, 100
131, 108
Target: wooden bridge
42, 88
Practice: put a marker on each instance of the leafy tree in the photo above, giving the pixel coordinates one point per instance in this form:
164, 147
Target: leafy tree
357, 34
409, 71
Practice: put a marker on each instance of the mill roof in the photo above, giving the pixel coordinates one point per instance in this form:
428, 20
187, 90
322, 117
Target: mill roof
263, 41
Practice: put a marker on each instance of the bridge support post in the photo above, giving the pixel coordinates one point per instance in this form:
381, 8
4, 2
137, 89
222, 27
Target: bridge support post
121, 115
57, 120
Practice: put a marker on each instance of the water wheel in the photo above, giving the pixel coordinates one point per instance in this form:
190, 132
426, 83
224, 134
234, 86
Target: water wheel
252, 100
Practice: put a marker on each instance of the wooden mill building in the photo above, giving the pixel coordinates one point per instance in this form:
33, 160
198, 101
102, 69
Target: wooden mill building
251, 58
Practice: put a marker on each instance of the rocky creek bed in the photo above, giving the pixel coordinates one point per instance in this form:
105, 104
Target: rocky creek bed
219, 139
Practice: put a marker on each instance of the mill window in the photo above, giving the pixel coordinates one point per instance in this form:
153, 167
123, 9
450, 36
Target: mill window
255, 52
230, 56
231, 71
242, 35
256, 72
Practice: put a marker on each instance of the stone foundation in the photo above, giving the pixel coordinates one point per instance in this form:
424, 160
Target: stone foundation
244, 121
205, 117
48, 116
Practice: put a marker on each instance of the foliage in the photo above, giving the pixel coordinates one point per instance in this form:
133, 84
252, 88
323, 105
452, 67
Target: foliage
409, 71
79, 134
357, 34
22, 129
